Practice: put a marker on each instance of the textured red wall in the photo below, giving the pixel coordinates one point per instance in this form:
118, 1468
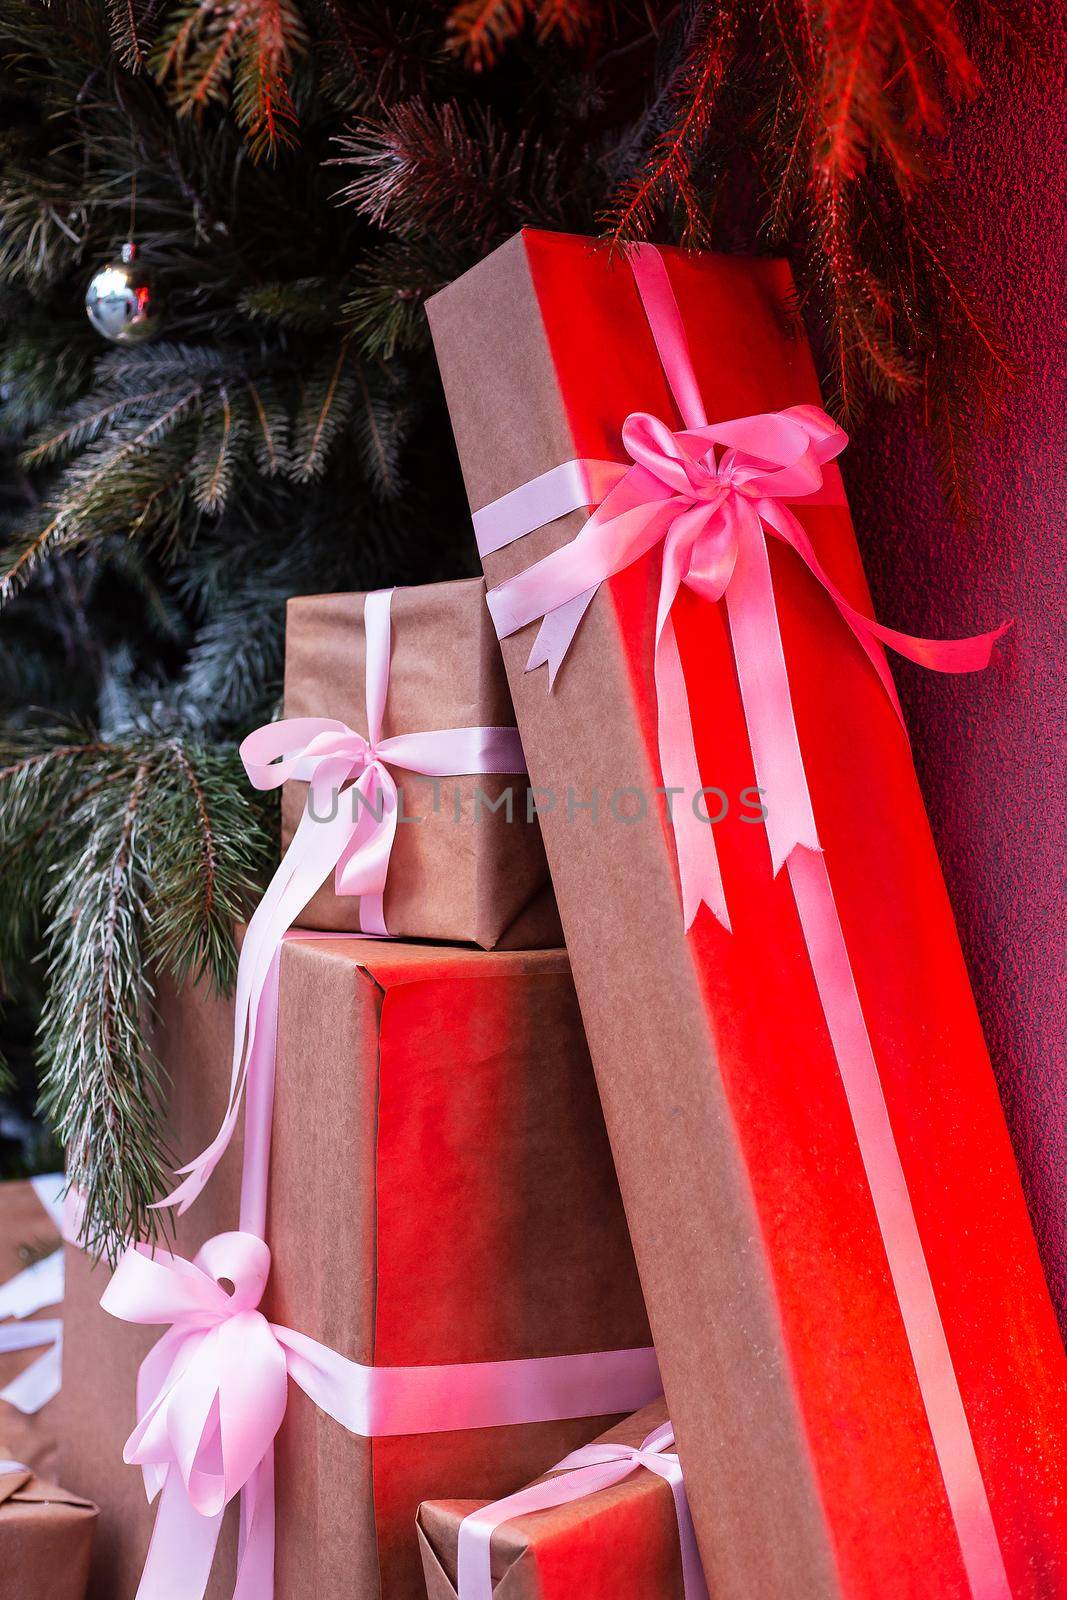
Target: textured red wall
990, 749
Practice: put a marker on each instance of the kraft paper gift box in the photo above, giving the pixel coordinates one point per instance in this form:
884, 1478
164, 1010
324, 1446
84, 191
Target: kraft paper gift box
790, 1372
468, 863
442, 1191
620, 1543
46, 1535
28, 1234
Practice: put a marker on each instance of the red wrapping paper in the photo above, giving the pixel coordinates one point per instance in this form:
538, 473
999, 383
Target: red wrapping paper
807, 1453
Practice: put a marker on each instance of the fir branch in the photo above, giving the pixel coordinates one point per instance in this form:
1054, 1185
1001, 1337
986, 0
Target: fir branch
382, 425
139, 854
129, 465
668, 171
223, 431
304, 304
247, 50
235, 660
210, 847
480, 29
325, 408
384, 309
262, 100
439, 172
126, 21
100, 1085
271, 429
39, 222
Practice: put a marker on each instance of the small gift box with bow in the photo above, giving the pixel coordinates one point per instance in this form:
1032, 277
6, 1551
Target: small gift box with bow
610, 1522
46, 1537
397, 707
862, 1361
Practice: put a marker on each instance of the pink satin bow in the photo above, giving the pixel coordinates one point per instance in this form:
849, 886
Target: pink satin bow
583, 1472
211, 1396
710, 513
212, 1393
349, 831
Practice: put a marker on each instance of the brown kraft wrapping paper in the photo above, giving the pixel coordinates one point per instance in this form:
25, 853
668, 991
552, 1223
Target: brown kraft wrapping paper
442, 1190
618, 1544
101, 1355
808, 1455
459, 869
46, 1536
25, 1226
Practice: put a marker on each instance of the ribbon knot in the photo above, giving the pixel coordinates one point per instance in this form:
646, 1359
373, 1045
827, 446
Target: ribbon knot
704, 500
212, 1391
656, 1452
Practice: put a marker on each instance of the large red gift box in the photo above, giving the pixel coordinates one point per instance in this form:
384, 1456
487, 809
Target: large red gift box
791, 1379
442, 1194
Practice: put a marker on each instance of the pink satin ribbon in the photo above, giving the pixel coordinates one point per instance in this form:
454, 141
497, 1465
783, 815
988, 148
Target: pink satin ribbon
348, 831
583, 1472
712, 513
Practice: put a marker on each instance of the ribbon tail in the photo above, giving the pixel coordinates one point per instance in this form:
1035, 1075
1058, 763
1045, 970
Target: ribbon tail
259, 1106
182, 1550
698, 863
255, 1548
40, 1382
766, 697
556, 634
937, 655
694, 1584
33, 1288
908, 1269
363, 867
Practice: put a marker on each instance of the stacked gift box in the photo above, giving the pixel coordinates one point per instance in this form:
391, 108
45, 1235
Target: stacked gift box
46, 1532
414, 1343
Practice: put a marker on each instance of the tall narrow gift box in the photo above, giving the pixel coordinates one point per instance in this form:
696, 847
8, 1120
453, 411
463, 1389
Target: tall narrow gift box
467, 862
442, 1192
858, 1349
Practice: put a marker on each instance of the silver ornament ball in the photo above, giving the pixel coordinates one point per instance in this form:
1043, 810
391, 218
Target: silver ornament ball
122, 300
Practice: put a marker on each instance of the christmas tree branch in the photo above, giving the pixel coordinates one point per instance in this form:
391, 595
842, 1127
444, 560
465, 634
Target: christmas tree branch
129, 859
